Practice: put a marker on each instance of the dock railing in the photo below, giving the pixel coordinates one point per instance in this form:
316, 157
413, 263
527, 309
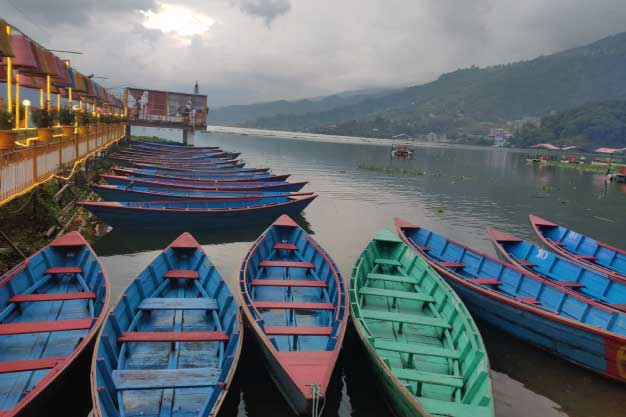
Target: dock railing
24, 168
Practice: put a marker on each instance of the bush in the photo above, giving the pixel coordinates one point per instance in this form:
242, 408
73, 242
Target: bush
7, 120
42, 118
84, 118
66, 117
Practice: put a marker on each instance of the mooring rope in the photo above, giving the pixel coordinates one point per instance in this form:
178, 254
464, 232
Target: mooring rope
316, 410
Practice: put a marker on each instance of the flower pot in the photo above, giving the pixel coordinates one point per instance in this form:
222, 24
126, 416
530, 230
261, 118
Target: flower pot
45, 134
68, 131
82, 130
7, 139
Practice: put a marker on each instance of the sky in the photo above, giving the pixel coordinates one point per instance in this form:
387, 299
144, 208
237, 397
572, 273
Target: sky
244, 51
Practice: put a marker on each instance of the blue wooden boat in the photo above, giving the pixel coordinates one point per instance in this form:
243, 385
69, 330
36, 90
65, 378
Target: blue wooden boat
143, 193
294, 299
537, 310
53, 305
172, 147
196, 214
199, 178
547, 264
210, 170
170, 346
580, 248
217, 186
175, 164
208, 157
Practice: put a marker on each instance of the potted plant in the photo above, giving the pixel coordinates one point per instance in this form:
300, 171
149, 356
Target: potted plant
7, 135
44, 121
93, 123
67, 119
83, 122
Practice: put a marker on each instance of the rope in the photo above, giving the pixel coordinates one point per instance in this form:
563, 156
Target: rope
316, 410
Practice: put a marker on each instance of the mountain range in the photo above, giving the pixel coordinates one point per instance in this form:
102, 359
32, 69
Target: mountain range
461, 103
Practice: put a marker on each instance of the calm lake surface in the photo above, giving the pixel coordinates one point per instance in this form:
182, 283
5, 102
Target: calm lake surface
463, 191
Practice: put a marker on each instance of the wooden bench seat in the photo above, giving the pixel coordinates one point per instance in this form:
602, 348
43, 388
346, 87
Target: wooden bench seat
283, 305
428, 377
173, 337
60, 270
286, 264
405, 295
178, 304
29, 365
181, 274
285, 246
287, 283
44, 326
388, 262
454, 409
453, 265
417, 349
405, 318
31, 298
391, 278
137, 379
297, 331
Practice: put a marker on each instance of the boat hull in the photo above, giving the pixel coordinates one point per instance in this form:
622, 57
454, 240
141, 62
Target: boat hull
218, 186
138, 218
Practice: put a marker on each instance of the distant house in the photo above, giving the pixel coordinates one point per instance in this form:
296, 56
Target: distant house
400, 136
500, 137
526, 121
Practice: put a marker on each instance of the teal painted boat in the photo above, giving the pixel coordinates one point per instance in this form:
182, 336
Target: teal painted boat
422, 342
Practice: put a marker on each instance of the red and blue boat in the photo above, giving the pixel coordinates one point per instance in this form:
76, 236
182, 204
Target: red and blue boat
581, 248
163, 156
53, 305
215, 186
209, 169
176, 164
141, 193
200, 178
539, 311
197, 214
172, 147
171, 345
560, 270
295, 301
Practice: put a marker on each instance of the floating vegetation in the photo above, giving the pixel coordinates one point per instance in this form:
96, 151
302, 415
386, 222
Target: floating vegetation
392, 170
440, 210
599, 169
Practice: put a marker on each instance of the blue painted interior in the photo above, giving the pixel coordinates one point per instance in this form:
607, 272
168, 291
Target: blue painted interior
160, 182
216, 357
306, 252
514, 283
205, 205
548, 264
204, 176
33, 280
579, 244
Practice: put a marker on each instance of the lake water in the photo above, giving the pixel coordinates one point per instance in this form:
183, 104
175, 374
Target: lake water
463, 191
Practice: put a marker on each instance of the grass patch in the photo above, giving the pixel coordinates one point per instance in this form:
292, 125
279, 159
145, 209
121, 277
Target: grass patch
392, 170
152, 139
599, 169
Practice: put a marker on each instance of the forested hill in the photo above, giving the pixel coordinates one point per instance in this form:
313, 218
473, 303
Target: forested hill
590, 126
466, 98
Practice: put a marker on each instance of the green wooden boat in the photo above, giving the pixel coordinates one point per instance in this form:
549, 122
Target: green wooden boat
423, 343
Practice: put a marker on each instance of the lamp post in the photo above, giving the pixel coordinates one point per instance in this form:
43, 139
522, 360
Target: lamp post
26, 104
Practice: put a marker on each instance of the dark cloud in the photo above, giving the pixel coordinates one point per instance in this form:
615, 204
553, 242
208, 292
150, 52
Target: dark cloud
268, 10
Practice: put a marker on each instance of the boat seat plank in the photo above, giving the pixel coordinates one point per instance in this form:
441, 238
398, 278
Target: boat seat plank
448, 408
165, 378
44, 326
58, 270
404, 318
418, 349
173, 337
29, 365
428, 377
525, 262
569, 284
285, 246
453, 265
286, 264
528, 300
297, 331
178, 304
390, 262
485, 281
282, 305
405, 295
391, 278
181, 274
586, 257
287, 283
30, 298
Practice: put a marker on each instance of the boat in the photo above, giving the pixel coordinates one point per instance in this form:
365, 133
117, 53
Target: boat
538, 311
196, 214
594, 284
53, 305
208, 157
171, 345
175, 164
580, 248
421, 341
209, 170
141, 193
199, 178
216, 186
172, 147
294, 300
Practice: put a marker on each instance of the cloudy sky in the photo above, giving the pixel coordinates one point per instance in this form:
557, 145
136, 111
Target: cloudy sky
244, 51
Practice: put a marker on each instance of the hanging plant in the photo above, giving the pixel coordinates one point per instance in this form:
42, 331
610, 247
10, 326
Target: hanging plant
84, 118
66, 117
7, 120
42, 118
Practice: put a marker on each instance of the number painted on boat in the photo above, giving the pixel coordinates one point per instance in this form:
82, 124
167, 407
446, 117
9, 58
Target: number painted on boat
542, 254
573, 235
620, 359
